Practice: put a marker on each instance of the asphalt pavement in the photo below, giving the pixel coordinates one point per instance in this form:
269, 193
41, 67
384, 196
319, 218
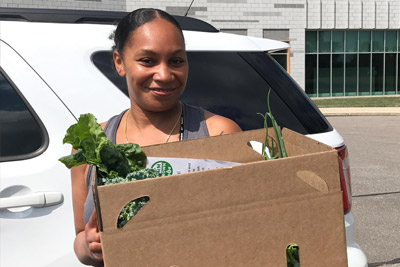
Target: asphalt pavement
373, 143
375, 204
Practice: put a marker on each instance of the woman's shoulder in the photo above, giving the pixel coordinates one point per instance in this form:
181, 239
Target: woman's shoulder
218, 125
113, 121
103, 124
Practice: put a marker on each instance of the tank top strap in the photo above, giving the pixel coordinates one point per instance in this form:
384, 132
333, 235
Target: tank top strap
194, 122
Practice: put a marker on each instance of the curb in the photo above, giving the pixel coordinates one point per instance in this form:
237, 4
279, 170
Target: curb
370, 111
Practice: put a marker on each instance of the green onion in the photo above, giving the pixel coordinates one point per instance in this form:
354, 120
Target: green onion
279, 144
292, 256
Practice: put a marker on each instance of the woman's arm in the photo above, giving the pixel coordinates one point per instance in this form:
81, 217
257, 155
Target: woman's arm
218, 125
87, 243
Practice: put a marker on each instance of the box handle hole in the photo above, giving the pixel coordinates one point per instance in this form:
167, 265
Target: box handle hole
293, 255
130, 210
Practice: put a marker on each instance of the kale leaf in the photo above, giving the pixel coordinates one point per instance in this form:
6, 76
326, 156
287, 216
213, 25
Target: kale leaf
134, 154
93, 147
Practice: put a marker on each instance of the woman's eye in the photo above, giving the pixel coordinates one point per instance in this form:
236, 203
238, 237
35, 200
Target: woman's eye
146, 61
177, 61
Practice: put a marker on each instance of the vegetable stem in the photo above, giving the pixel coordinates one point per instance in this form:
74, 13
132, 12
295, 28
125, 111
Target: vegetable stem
279, 144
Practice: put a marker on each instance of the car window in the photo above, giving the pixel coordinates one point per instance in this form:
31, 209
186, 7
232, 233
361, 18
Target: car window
21, 135
225, 83
289, 92
104, 62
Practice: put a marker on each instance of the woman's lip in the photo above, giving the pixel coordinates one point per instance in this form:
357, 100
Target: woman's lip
161, 91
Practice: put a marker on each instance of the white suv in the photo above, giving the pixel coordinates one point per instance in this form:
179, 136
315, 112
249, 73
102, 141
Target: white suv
56, 65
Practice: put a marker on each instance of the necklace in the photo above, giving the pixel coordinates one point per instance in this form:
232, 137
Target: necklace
170, 133
176, 123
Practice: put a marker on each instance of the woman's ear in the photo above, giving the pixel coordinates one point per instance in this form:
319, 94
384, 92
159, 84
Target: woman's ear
119, 64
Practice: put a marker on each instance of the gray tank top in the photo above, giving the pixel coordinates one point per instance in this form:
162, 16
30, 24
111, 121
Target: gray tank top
194, 126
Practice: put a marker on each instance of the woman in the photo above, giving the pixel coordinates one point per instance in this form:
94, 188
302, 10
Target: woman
150, 52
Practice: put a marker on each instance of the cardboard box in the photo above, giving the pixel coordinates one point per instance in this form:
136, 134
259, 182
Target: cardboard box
244, 215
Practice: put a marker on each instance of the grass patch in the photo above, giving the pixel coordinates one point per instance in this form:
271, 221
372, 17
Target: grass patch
381, 101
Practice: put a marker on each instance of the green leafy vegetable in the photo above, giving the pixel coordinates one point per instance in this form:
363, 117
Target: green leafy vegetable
132, 176
113, 160
130, 210
74, 159
272, 144
93, 147
115, 163
88, 138
133, 153
292, 255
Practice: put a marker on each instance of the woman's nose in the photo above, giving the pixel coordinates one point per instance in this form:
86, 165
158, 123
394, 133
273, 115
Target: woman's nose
163, 73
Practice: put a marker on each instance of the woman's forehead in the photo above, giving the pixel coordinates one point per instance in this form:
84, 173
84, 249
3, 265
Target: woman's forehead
158, 30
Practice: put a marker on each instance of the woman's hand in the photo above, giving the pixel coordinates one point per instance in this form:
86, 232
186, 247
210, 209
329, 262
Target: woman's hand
88, 244
92, 237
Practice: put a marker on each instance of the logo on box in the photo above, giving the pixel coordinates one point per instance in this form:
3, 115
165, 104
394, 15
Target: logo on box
163, 167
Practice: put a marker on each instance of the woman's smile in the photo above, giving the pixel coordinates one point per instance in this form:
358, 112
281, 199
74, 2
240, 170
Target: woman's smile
161, 91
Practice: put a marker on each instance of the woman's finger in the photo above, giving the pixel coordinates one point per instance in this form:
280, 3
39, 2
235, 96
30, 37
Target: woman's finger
98, 256
92, 236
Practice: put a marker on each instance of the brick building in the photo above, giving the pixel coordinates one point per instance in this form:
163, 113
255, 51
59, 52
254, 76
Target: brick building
338, 47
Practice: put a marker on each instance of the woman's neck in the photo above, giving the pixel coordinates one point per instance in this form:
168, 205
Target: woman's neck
143, 118
146, 127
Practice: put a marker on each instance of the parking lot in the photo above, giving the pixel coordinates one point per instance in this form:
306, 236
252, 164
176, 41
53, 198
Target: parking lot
374, 145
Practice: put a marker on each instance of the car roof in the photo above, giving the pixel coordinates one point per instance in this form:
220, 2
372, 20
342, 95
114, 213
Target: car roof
199, 35
219, 41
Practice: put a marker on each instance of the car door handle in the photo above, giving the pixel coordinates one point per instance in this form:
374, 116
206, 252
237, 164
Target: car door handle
37, 200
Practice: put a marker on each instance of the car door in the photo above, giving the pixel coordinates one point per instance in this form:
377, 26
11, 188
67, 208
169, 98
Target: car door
36, 216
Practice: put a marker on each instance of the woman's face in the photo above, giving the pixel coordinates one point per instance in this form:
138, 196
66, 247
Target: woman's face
155, 65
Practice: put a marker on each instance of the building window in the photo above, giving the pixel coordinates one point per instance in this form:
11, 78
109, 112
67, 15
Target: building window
352, 63
235, 31
283, 56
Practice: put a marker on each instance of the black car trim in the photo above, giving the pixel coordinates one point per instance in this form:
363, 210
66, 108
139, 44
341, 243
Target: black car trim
44, 133
287, 89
